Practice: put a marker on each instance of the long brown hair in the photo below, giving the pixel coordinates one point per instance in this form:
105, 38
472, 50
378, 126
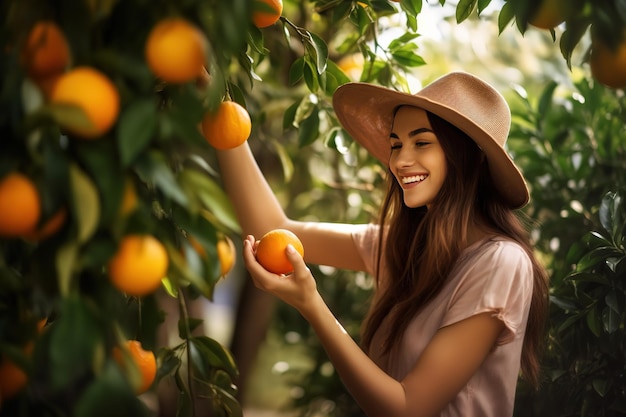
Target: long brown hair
427, 243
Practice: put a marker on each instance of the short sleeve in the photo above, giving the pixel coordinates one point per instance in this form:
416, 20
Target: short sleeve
495, 278
365, 239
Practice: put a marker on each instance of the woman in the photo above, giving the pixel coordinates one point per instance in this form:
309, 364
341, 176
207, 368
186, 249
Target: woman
460, 299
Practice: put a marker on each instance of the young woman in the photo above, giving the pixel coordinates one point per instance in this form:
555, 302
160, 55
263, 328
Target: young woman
460, 299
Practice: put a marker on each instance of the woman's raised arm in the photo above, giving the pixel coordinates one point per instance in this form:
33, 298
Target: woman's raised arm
259, 211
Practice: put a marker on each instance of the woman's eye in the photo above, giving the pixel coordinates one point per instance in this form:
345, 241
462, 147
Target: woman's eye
421, 143
396, 146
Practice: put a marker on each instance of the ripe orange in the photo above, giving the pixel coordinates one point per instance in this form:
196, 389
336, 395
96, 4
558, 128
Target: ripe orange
549, 14
226, 255
176, 50
49, 228
94, 93
46, 51
12, 379
139, 265
270, 251
20, 205
227, 128
262, 17
144, 360
608, 65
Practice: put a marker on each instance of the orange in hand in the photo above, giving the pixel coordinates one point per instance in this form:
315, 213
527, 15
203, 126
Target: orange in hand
228, 127
270, 251
144, 360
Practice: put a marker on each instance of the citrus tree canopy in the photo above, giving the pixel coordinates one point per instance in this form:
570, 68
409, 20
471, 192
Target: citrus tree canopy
110, 111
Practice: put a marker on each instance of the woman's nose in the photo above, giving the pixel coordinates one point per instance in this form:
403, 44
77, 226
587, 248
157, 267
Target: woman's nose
404, 157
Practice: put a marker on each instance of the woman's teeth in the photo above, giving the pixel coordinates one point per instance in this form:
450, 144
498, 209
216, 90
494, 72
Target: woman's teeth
414, 178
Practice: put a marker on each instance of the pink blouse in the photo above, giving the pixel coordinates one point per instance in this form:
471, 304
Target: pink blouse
492, 275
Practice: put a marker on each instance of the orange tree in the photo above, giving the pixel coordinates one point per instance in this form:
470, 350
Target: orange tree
102, 104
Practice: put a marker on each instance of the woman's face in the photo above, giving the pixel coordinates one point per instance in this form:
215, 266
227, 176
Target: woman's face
417, 160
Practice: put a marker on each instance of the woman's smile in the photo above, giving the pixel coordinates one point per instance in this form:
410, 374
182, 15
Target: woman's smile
417, 160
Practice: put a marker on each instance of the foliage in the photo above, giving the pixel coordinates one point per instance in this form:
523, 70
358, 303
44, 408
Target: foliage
287, 72
572, 147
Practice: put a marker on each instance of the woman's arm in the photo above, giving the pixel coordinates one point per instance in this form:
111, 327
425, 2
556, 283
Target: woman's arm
445, 366
259, 211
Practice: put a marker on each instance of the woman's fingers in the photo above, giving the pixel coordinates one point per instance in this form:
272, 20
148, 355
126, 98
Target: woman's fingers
299, 266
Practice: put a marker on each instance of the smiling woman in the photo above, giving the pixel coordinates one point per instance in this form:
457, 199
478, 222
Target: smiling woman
417, 160
460, 298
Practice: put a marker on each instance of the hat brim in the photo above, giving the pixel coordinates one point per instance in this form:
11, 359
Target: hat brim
366, 112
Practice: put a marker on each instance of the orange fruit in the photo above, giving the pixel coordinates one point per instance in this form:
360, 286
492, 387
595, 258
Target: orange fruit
94, 93
266, 12
139, 265
12, 379
176, 50
143, 360
549, 14
46, 51
608, 65
228, 127
20, 205
270, 251
226, 255
49, 228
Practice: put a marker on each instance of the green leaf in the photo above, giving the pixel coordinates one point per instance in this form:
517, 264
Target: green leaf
600, 386
212, 196
311, 78
109, 395
137, 125
464, 9
187, 326
308, 129
482, 5
70, 117
611, 320
318, 49
595, 257
65, 263
594, 322
169, 364
228, 402
152, 167
407, 57
505, 16
86, 203
180, 270
609, 209
296, 71
289, 115
545, 100
215, 355
75, 336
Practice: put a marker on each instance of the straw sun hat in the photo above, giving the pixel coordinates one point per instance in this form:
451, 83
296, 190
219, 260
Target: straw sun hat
366, 112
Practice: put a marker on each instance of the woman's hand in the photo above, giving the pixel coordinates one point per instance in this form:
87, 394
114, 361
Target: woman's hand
297, 289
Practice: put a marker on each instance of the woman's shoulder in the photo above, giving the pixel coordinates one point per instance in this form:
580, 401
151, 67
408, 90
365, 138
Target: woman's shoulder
497, 249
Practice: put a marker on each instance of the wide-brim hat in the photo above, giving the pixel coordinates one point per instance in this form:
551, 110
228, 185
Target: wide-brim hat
366, 112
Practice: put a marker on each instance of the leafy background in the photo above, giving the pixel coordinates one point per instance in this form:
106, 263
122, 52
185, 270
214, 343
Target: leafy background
567, 136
